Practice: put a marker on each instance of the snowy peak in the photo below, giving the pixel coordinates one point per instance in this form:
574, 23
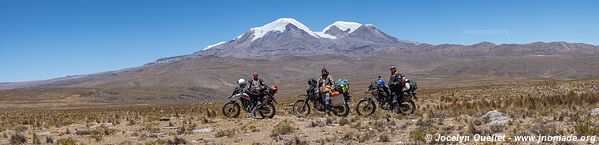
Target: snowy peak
287, 36
278, 25
347, 27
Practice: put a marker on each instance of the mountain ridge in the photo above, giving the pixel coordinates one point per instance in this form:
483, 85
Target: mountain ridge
352, 42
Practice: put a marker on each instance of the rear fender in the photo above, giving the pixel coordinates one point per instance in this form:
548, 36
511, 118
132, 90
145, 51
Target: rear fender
272, 99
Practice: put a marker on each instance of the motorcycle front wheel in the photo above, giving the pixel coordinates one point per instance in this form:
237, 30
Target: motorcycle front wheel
231, 109
365, 107
301, 108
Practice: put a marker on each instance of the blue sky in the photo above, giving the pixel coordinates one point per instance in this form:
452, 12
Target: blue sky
43, 39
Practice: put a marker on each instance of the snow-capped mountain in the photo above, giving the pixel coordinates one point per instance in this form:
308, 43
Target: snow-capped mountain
341, 27
298, 54
286, 36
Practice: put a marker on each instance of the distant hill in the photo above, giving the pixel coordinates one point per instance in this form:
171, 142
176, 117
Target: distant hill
287, 53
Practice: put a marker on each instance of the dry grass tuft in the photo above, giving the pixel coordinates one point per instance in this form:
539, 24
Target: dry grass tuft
282, 128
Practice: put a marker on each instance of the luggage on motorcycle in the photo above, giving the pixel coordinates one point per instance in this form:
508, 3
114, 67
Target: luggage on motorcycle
337, 100
342, 85
413, 85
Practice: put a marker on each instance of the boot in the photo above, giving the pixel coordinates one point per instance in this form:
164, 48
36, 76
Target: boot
327, 106
327, 110
253, 114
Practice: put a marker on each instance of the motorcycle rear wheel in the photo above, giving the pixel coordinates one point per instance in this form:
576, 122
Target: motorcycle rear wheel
341, 111
407, 107
267, 110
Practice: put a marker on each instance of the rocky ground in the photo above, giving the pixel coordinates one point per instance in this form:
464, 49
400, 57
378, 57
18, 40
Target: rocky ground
508, 110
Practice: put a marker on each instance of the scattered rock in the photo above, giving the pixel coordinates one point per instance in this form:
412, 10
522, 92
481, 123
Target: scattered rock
45, 125
203, 130
157, 135
595, 112
44, 133
165, 119
171, 127
495, 117
102, 124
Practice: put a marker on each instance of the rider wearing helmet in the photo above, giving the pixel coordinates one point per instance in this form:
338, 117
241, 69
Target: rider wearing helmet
325, 83
256, 85
396, 82
256, 88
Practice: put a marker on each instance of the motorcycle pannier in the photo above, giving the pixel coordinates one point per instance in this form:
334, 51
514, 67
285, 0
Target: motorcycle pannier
337, 100
413, 85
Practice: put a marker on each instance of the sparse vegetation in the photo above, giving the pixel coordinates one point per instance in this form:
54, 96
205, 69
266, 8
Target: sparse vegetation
418, 135
282, 128
227, 132
35, 139
585, 128
384, 138
18, 139
177, 140
67, 141
440, 112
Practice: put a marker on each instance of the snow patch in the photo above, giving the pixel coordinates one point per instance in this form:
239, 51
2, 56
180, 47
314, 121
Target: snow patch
210, 46
344, 26
280, 25
238, 37
324, 35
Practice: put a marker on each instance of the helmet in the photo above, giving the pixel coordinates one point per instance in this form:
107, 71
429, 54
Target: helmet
255, 74
380, 83
274, 87
241, 82
313, 81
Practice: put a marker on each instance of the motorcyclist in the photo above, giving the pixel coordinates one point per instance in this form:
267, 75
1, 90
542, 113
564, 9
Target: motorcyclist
396, 83
325, 84
256, 89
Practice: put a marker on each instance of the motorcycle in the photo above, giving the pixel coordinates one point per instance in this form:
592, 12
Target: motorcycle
404, 105
339, 102
266, 108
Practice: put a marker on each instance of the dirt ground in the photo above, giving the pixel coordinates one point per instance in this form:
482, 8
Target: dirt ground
532, 108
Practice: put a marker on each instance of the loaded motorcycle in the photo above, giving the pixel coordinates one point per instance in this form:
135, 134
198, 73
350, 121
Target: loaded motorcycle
404, 105
241, 96
339, 100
